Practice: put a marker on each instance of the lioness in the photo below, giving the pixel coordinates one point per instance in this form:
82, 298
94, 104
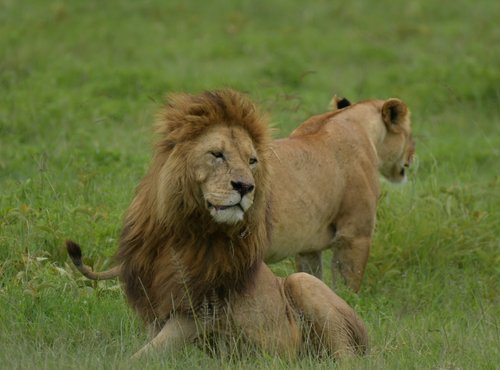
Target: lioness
191, 250
325, 183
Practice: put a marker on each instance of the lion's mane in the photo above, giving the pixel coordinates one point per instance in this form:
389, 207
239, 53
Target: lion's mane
174, 256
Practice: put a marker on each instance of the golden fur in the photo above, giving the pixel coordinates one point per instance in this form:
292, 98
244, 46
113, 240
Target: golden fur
191, 249
327, 173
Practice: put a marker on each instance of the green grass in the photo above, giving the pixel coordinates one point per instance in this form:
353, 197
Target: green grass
80, 82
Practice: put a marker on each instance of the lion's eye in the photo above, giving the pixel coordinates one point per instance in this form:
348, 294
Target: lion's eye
218, 155
252, 161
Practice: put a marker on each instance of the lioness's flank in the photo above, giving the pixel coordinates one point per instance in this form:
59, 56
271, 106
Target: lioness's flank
325, 182
191, 250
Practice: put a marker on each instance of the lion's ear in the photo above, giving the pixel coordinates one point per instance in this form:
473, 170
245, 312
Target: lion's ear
394, 114
338, 103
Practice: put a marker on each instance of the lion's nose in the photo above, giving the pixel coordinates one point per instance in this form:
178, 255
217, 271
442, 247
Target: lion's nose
242, 187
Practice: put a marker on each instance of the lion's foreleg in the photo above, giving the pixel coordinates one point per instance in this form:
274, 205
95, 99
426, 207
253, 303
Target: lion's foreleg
336, 327
176, 332
312, 263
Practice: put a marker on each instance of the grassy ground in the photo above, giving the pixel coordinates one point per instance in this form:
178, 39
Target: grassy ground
80, 83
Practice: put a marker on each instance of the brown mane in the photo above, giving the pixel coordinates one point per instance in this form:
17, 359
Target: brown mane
174, 256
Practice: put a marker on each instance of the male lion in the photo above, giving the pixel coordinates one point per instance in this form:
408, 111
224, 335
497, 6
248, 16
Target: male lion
326, 184
191, 250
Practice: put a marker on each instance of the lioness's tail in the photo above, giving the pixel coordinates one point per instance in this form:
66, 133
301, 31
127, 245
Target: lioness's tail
75, 252
334, 322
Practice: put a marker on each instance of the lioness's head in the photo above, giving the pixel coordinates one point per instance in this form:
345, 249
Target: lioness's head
397, 148
216, 144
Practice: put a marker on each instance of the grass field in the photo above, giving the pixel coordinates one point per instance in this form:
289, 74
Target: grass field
80, 82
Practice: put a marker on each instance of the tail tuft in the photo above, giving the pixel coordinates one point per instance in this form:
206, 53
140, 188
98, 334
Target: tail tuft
75, 252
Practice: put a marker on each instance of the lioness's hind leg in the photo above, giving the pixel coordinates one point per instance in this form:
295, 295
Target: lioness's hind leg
176, 332
335, 323
312, 263
349, 259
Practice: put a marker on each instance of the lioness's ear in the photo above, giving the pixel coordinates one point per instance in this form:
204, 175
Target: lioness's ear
338, 103
394, 113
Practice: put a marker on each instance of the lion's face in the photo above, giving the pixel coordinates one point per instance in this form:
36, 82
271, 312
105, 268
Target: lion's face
397, 150
224, 164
